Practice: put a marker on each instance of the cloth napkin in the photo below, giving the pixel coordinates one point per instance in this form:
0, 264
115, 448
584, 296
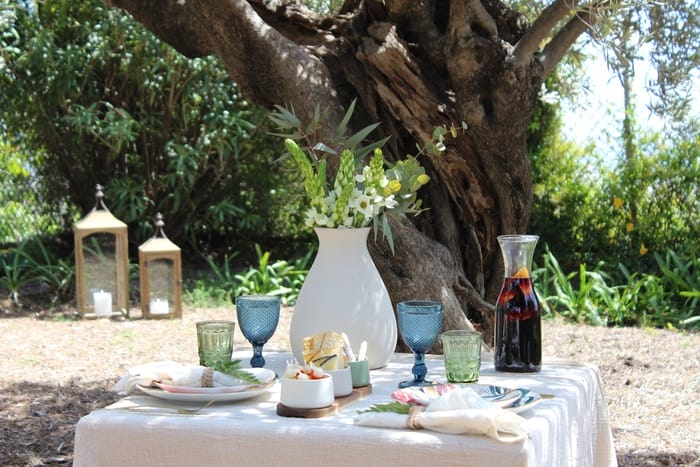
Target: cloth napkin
461, 411
172, 373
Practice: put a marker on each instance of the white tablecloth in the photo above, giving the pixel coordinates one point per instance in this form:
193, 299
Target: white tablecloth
570, 429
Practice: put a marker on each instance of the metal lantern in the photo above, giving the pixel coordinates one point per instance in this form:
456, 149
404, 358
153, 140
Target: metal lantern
160, 267
101, 257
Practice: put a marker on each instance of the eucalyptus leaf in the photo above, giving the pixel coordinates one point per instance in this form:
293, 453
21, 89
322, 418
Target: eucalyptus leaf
233, 368
390, 407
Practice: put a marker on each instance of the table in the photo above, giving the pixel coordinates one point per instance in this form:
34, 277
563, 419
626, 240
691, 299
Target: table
570, 429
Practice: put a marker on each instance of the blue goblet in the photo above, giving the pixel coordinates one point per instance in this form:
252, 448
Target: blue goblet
258, 316
420, 322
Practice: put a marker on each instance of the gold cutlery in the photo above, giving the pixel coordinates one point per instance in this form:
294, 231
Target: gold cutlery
166, 410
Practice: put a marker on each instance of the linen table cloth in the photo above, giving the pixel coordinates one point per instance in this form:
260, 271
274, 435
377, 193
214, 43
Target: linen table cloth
570, 429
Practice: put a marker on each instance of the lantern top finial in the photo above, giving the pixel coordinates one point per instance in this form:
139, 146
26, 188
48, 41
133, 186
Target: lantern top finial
99, 198
160, 223
159, 243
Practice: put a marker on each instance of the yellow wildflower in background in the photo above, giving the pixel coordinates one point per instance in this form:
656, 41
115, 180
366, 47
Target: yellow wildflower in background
629, 227
617, 202
643, 250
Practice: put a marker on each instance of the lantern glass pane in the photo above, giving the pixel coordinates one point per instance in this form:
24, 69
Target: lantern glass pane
161, 284
100, 268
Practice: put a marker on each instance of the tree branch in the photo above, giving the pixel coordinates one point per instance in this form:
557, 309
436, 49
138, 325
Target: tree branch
268, 67
565, 38
541, 29
481, 19
462, 65
419, 21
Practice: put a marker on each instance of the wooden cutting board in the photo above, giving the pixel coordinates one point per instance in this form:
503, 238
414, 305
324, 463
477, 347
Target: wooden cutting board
338, 403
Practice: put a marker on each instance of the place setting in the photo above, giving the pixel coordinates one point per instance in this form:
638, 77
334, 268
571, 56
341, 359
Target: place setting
460, 405
218, 377
331, 376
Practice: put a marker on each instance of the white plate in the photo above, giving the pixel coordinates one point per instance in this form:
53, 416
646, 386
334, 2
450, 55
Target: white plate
422, 395
502, 397
219, 394
515, 400
526, 400
262, 374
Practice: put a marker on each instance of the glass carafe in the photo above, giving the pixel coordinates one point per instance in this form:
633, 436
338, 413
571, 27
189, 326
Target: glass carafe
518, 339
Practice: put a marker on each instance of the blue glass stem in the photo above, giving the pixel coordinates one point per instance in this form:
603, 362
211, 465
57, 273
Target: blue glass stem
419, 368
257, 361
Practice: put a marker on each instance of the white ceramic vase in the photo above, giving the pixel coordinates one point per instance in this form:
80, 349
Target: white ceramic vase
345, 293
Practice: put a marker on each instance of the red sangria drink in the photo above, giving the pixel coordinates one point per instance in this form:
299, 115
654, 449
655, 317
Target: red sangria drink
518, 327
518, 333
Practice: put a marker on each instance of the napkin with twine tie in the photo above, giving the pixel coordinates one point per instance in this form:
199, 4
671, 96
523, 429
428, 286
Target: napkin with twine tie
175, 374
461, 411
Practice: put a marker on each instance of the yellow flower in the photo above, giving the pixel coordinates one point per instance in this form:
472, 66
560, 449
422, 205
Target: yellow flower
643, 250
423, 179
629, 227
617, 202
394, 186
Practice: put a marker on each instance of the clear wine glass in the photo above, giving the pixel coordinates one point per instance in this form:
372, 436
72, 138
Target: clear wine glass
420, 322
258, 316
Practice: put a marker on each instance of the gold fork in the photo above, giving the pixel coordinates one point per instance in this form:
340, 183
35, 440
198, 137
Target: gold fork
194, 411
166, 410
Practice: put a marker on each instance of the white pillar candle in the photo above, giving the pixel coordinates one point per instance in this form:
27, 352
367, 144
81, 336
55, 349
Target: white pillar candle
159, 307
103, 303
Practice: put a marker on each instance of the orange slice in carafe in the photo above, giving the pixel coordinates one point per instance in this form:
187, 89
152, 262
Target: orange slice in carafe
522, 273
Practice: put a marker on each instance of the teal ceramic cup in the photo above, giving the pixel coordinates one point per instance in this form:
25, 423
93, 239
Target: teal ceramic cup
359, 370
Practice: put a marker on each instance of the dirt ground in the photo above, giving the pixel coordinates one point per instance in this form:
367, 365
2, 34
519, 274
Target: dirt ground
55, 370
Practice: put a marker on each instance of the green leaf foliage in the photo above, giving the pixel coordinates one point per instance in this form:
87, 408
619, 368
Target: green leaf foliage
107, 102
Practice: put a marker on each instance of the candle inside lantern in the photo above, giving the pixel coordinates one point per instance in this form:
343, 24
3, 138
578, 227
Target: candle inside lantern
159, 307
103, 303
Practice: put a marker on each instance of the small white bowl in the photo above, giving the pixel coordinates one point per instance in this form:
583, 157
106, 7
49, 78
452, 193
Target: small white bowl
342, 381
307, 393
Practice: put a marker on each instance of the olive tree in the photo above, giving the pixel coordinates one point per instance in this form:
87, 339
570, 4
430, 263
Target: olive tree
413, 66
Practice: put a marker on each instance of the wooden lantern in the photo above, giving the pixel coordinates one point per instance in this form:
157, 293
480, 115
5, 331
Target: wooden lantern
101, 258
160, 268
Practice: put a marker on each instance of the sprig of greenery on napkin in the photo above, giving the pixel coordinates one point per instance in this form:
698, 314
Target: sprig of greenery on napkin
396, 407
233, 368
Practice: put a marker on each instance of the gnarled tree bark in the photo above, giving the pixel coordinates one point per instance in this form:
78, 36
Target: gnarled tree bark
412, 65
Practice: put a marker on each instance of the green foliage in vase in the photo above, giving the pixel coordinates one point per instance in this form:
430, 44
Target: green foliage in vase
359, 194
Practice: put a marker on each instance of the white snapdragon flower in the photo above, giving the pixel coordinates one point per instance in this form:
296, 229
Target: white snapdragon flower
315, 218
310, 217
330, 202
348, 221
390, 202
322, 219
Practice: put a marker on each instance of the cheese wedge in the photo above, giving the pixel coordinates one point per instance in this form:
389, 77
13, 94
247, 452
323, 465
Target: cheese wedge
325, 350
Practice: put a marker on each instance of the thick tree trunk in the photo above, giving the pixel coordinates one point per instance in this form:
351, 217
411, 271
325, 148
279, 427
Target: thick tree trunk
412, 66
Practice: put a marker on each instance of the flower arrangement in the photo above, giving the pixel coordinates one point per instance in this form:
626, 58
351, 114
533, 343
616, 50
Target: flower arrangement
356, 198
359, 194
